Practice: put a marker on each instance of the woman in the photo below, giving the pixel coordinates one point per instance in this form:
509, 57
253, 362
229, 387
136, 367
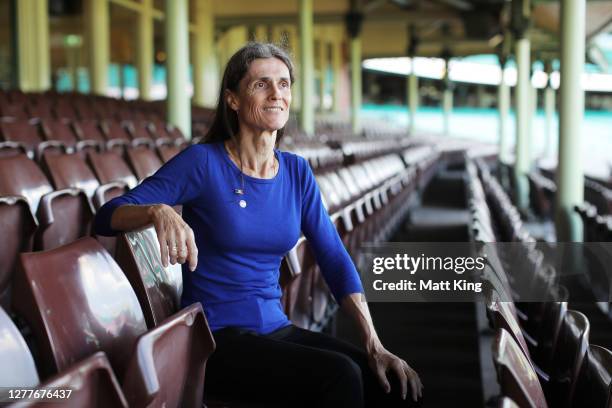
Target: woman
244, 206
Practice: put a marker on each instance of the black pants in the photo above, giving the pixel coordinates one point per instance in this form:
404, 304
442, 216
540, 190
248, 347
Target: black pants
295, 367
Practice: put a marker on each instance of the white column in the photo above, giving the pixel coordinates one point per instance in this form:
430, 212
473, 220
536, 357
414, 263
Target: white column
97, 17
177, 65
205, 67
413, 96
570, 177
307, 122
144, 52
337, 67
447, 100
532, 125
549, 107
504, 109
322, 72
34, 70
42, 51
356, 84
523, 97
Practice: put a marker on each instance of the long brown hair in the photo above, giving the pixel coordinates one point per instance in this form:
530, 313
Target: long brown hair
225, 122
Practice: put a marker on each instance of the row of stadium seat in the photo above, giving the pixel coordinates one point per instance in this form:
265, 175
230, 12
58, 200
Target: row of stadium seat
47, 206
543, 189
74, 106
366, 202
37, 137
541, 350
542, 193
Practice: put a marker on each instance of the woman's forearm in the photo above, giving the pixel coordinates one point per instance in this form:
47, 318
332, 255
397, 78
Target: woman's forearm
130, 217
357, 308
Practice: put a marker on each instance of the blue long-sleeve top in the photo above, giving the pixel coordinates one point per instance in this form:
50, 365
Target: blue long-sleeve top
240, 248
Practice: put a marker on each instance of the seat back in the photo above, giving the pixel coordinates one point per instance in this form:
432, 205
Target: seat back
77, 301
594, 385
18, 226
26, 132
89, 130
158, 289
64, 110
31, 182
504, 317
138, 129
64, 216
516, 376
59, 130
39, 110
113, 130
143, 161
570, 352
169, 370
18, 368
70, 170
167, 151
110, 167
91, 383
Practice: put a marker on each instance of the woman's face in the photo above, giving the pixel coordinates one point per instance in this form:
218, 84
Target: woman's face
264, 95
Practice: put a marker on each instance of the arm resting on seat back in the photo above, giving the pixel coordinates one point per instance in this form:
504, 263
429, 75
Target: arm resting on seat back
177, 182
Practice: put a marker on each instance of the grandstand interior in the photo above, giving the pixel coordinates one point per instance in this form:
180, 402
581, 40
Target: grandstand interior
101, 315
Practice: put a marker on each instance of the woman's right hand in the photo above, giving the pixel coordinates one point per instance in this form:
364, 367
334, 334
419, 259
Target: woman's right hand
176, 239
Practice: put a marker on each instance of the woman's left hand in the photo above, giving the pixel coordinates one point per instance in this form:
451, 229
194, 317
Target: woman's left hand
382, 361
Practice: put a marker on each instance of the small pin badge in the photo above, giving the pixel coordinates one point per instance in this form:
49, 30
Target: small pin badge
238, 191
242, 203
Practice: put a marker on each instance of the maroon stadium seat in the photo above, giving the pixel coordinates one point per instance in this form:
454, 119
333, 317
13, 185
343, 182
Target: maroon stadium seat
64, 216
138, 129
570, 352
114, 130
107, 192
8, 149
20, 176
91, 383
171, 362
594, 385
26, 132
89, 130
61, 131
13, 111
167, 150
516, 376
18, 226
87, 293
504, 317
40, 110
110, 167
143, 160
64, 110
69, 170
